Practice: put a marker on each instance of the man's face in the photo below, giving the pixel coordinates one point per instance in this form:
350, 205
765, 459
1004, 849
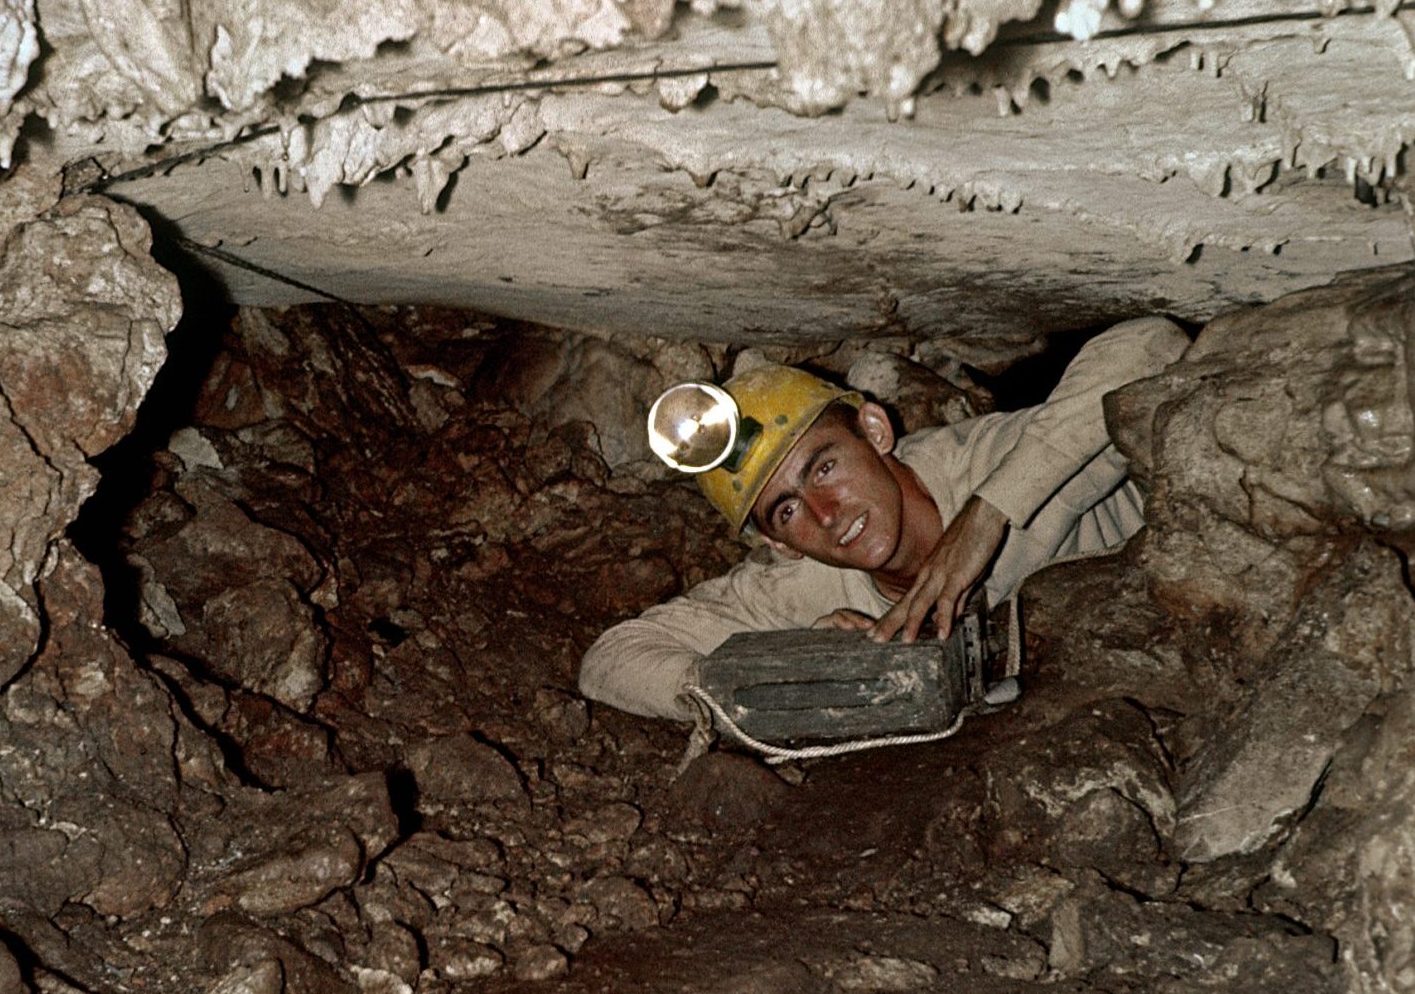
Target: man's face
835, 498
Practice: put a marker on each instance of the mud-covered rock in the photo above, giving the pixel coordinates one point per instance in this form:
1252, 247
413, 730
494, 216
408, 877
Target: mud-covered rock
1093, 631
239, 593
241, 954
540, 962
455, 957
619, 903
86, 770
288, 850
458, 770
614, 822
10, 978
725, 791
1095, 789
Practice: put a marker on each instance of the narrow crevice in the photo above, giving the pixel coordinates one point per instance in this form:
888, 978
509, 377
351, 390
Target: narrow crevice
41, 642
403, 798
126, 468
231, 753
33, 968
1171, 766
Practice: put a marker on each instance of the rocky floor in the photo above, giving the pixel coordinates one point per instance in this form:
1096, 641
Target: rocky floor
328, 740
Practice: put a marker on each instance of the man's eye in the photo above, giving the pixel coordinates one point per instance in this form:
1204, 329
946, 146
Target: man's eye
825, 468
784, 515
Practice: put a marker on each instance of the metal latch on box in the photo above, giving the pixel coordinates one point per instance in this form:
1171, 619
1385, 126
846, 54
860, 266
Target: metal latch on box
825, 685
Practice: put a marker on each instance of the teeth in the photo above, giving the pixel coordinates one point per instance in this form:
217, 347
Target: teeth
856, 526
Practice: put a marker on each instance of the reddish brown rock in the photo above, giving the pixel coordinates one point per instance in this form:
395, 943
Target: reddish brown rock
83, 312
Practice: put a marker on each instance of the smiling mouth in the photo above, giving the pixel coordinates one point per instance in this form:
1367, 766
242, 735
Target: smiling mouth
853, 532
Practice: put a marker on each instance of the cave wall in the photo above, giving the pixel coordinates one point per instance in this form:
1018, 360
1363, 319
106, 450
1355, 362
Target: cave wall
85, 312
1264, 617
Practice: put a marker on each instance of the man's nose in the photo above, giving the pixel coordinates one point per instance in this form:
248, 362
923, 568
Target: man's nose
823, 505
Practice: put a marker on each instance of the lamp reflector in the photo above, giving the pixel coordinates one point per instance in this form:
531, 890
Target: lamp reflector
693, 426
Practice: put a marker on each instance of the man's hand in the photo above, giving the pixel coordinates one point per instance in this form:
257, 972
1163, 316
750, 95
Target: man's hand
953, 569
846, 620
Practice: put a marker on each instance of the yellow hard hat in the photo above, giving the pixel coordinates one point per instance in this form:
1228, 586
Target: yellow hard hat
775, 405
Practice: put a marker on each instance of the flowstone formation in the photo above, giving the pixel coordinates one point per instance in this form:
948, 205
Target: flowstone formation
986, 170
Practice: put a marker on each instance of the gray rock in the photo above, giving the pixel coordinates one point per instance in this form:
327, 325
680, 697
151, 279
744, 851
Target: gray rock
1098, 930
541, 962
920, 397
83, 314
1260, 766
619, 903
1280, 428
611, 823
1347, 866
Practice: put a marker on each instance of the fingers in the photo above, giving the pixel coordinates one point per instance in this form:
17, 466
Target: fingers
907, 617
846, 620
919, 608
951, 609
888, 626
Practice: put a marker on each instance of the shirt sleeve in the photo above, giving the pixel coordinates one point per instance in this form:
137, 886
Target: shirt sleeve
1064, 433
642, 665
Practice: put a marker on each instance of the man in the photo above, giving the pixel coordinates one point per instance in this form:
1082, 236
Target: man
865, 531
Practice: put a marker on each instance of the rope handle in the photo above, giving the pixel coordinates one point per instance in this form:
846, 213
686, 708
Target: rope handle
778, 754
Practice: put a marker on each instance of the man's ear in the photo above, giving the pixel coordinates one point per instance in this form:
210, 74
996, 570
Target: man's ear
878, 429
781, 548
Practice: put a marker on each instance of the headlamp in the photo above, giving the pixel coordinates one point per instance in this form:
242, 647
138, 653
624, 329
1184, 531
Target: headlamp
695, 427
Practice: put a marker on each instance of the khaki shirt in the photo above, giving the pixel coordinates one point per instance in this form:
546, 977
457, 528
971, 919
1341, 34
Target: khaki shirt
1051, 469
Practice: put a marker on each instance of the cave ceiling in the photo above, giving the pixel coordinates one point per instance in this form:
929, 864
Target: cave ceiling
982, 171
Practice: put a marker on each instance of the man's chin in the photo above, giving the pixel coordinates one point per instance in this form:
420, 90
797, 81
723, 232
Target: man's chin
867, 556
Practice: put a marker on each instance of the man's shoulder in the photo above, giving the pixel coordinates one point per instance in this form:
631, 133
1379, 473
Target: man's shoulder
941, 438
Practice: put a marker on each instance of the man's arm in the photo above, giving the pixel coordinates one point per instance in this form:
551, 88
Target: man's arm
642, 665
955, 566
638, 667
1068, 430
1061, 437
